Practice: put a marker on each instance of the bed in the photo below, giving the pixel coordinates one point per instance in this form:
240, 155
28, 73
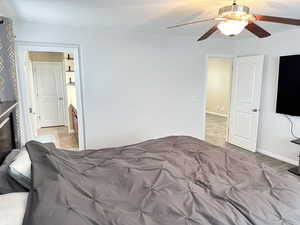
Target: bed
167, 181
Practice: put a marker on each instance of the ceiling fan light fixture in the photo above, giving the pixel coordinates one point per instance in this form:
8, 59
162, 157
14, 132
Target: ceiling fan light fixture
232, 27
233, 19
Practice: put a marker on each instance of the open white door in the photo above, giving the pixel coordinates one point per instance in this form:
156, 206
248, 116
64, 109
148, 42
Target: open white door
49, 86
245, 101
32, 108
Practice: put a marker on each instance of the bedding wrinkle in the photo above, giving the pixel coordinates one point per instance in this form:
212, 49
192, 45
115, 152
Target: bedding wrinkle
176, 180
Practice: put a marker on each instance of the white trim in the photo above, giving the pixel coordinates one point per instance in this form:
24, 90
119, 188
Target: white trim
4, 122
217, 114
67, 99
21, 49
278, 157
65, 93
9, 109
207, 56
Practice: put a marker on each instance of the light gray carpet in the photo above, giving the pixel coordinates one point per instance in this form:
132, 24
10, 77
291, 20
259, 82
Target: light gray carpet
216, 132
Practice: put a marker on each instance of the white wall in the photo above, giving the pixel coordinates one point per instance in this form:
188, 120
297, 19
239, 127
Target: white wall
136, 86
219, 85
139, 86
274, 131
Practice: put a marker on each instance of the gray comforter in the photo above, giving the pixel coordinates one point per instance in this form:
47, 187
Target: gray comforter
168, 181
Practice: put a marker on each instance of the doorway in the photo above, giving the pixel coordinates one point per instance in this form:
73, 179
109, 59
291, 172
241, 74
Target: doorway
50, 95
233, 100
218, 91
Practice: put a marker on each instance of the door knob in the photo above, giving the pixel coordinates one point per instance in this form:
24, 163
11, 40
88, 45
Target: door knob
255, 110
60, 98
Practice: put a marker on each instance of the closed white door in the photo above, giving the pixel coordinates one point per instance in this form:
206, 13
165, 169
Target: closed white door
245, 101
49, 87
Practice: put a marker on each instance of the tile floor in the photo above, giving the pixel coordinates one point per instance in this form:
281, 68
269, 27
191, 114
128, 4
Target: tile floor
62, 137
216, 132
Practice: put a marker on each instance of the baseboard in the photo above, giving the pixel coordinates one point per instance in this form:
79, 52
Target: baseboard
279, 157
217, 114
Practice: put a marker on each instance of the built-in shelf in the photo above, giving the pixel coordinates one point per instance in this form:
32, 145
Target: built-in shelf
70, 70
69, 58
72, 84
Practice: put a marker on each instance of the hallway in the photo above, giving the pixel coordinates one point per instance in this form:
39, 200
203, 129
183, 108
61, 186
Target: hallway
216, 129
61, 135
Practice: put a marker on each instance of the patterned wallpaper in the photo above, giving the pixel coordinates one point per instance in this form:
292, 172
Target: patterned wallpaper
8, 81
8, 84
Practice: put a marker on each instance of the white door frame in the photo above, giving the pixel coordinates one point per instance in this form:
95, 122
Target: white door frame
205, 92
24, 97
64, 89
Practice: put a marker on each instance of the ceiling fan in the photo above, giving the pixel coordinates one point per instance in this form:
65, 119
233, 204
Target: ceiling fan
234, 18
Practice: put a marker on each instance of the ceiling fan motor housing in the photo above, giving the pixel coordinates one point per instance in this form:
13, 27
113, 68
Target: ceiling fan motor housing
234, 11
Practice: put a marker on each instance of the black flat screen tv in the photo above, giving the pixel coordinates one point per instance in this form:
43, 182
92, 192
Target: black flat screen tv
288, 96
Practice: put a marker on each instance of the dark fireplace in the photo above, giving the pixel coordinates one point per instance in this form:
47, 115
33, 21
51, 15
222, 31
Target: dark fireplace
7, 133
8, 89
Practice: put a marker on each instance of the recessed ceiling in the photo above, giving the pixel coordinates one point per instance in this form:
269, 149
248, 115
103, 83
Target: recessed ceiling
144, 15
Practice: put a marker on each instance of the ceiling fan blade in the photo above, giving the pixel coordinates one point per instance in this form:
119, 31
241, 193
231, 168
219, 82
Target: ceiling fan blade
190, 23
274, 19
208, 33
257, 30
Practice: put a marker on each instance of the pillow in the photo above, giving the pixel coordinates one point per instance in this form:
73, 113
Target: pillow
12, 208
7, 183
20, 168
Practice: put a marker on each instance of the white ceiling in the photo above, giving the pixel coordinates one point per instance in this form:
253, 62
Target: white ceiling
143, 15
